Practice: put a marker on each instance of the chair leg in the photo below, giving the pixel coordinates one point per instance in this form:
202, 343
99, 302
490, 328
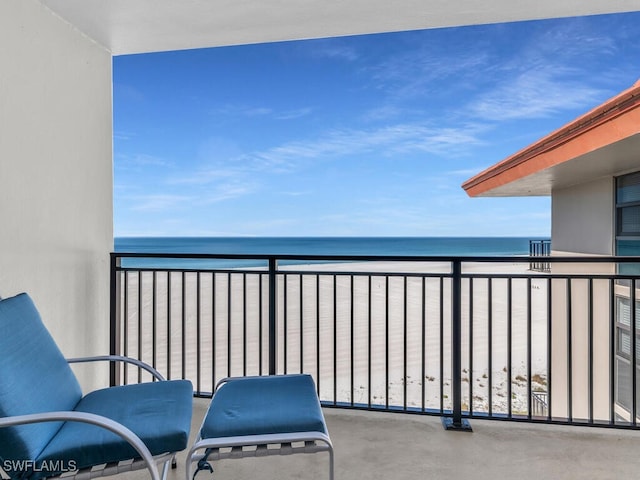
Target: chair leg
165, 468
331, 464
174, 462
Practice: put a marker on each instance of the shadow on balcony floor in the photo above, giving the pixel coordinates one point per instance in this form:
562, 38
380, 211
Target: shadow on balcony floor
372, 446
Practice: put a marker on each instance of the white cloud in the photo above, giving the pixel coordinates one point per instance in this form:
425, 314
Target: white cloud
128, 92
335, 48
193, 199
384, 112
207, 175
141, 161
423, 71
123, 135
293, 114
466, 172
393, 139
538, 93
296, 193
248, 111
227, 191
159, 202
234, 110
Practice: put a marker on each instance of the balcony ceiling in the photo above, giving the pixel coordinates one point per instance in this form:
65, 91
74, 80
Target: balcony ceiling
138, 26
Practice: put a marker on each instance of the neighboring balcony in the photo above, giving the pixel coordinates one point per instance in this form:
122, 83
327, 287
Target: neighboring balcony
540, 248
472, 339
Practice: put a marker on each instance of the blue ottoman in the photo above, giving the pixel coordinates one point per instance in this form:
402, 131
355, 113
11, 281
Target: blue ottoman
260, 416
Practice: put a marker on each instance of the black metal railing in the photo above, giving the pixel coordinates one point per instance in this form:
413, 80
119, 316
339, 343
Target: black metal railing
460, 337
539, 248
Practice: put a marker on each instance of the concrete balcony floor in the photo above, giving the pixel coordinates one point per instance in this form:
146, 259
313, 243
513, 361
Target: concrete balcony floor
390, 446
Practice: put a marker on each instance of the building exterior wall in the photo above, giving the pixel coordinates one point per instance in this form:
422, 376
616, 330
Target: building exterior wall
582, 218
570, 345
583, 223
56, 175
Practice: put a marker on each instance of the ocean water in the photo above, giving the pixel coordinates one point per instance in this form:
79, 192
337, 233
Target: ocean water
370, 246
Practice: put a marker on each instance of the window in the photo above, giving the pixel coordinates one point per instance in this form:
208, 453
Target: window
624, 378
623, 324
627, 231
628, 215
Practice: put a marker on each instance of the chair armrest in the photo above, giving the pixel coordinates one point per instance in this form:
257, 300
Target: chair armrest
231, 379
119, 358
104, 422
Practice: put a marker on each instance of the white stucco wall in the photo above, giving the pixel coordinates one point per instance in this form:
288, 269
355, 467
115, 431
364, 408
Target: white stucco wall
56, 174
583, 218
582, 224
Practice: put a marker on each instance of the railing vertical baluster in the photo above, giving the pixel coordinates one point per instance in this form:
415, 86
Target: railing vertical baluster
569, 352
260, 352
490, 343
335, 339
549, 347
213, 331
369, 321
456, 423
441, 345
285, 327
183, 334
386, 342
529, 352
471, 347
590, 334
154, 320
510, 348
140, 324
229, 321
301, 324
198, 336
351, 335
405, 347
125, 328
634, 359
423, 345
244, 324
273, 267
168, 325
318, 333
115, 318
612, 353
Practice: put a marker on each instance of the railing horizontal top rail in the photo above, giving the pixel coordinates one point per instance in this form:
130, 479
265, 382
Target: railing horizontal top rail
383, 258
293, 265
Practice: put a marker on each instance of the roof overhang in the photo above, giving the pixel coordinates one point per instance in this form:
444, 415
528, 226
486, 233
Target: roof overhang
138, 26
603, 142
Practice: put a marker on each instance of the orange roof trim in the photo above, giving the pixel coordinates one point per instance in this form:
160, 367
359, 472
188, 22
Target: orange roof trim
614, 120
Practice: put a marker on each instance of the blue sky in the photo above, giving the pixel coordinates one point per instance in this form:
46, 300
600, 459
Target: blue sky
355, 136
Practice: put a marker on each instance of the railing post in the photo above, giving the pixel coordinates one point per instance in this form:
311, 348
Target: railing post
114, 317
273, 268
456, 422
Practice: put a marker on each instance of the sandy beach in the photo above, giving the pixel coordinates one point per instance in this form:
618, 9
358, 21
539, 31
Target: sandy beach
391, 326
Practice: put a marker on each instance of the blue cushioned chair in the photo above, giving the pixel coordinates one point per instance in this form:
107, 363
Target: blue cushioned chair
47, 427
260, 416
